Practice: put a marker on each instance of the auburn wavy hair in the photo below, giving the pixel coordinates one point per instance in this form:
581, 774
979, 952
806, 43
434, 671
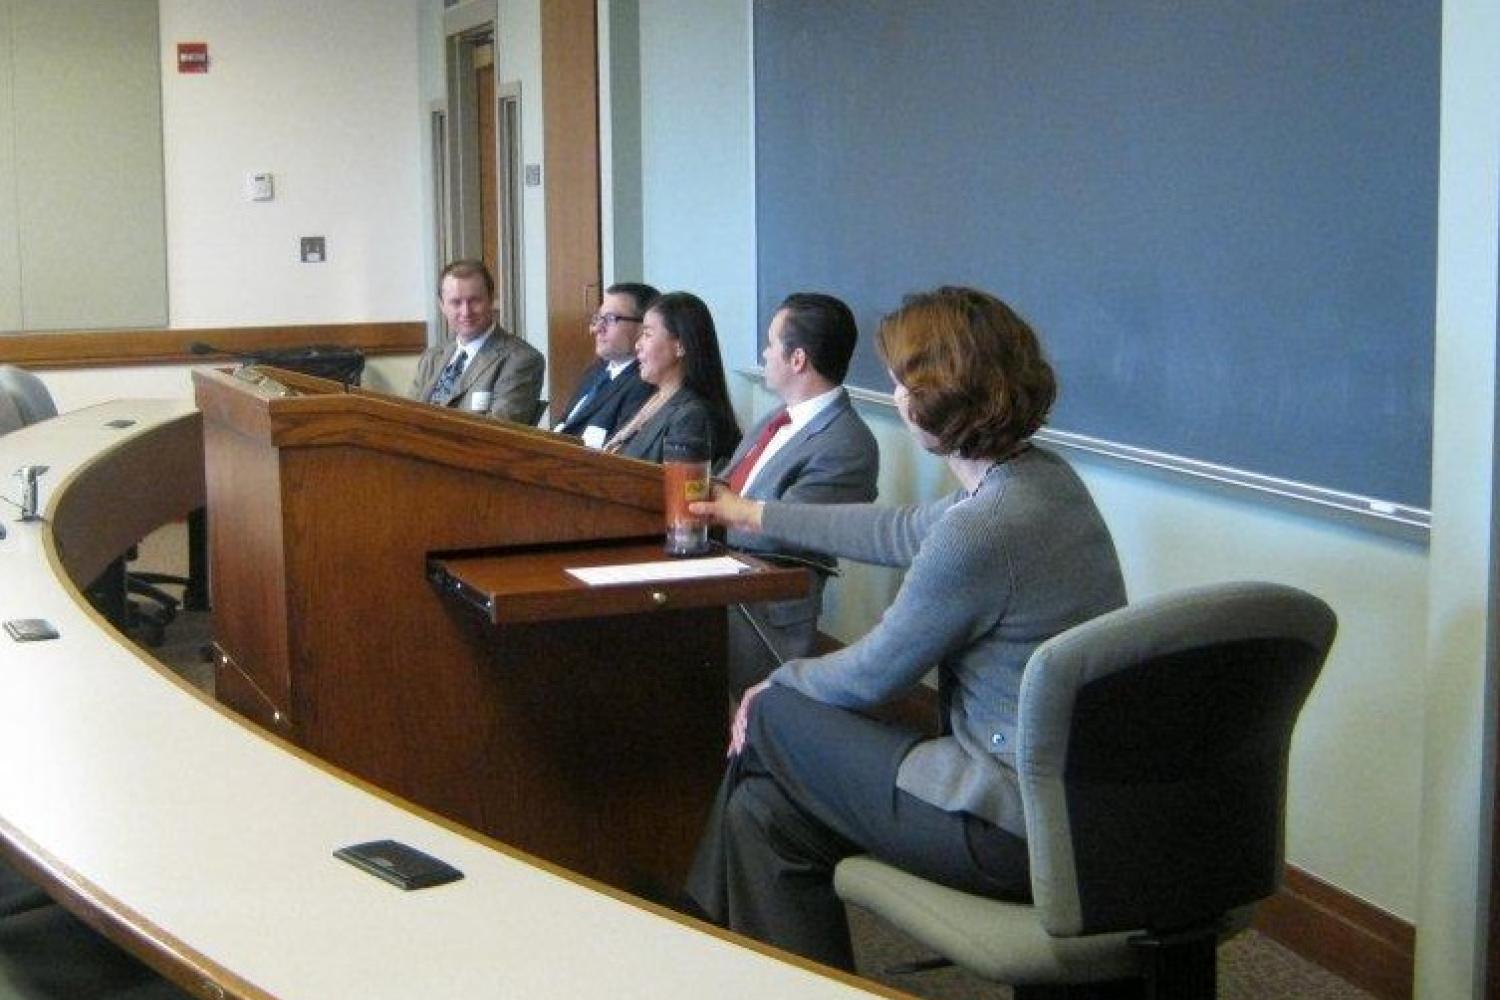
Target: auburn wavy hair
974, 372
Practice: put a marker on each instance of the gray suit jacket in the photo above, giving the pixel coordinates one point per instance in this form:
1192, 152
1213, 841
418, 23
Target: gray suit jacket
832, 460
685, 417
506, 366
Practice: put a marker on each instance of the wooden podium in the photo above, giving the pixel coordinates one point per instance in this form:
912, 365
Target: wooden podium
588, 730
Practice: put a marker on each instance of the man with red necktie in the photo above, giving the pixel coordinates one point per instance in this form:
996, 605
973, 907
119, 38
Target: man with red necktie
814, 448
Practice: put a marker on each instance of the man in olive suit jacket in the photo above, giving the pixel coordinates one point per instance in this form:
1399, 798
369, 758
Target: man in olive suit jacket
485, 369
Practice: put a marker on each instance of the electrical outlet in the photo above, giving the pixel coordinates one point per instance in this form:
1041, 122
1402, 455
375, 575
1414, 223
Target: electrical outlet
313, 250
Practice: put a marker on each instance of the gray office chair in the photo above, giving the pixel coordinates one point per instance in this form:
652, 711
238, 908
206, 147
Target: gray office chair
10, 415
48, 954
1152, 752
25, 398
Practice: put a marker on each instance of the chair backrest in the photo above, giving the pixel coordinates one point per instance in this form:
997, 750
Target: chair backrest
1152, 752
10, 415
27, 394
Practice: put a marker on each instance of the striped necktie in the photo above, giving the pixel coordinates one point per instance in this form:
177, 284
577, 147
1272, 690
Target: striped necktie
449, 378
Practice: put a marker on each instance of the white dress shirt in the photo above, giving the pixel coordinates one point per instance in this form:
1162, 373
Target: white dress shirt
800, 415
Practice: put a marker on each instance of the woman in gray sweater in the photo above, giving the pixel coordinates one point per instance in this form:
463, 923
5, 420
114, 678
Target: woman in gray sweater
1018, 554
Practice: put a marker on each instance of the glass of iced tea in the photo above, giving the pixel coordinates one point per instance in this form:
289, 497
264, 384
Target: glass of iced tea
685, 470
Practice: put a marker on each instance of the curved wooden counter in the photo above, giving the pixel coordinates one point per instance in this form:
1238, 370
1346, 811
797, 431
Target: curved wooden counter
205, 846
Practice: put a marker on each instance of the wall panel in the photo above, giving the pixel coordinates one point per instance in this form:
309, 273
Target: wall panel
87, 163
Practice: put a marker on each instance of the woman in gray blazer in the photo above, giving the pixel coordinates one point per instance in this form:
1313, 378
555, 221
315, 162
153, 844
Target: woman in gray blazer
678, 350
1016, 555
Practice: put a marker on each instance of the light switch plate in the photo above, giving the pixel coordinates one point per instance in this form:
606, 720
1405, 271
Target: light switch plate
260, 187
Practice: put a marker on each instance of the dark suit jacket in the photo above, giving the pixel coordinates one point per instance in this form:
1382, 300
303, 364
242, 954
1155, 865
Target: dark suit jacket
833, 459
685, 417
506, 366
611, 405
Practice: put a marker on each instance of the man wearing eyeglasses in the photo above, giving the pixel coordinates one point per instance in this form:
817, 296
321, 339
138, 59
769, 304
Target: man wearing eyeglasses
611, 389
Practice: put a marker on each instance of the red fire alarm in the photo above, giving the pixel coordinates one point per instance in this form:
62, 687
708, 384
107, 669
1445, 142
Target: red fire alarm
192, 57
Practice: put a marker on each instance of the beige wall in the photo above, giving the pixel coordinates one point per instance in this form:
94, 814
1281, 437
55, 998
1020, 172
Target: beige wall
73, 389
330, 98
10, 237
1458, 737
81, 213
333, 99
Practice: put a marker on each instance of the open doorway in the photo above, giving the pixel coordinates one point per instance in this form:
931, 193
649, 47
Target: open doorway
536, 221
481, 200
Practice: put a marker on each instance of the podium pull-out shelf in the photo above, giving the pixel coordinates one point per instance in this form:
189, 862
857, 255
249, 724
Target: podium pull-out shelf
533, 584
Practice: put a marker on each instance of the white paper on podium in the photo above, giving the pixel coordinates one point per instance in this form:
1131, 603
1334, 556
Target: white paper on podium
666, 569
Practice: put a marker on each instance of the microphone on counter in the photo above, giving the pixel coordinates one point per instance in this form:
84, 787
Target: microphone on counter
244, 358
28, 474
311, 359
281, 357
201, 347
244, 364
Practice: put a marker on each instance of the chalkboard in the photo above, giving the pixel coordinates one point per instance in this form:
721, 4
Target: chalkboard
1220, 216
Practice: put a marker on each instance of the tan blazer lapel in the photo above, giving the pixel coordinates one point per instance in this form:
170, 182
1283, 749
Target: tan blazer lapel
479, 371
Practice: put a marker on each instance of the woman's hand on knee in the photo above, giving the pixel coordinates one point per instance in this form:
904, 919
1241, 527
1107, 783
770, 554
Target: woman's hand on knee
741, 724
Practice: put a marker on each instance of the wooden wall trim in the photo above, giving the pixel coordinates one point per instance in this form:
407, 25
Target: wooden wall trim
1344, 934
1324, 924
117, 348
570, 129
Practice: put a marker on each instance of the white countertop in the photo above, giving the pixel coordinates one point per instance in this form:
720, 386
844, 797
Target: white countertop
172, 814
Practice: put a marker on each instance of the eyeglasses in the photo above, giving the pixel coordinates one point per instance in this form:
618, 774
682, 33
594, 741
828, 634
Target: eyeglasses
610, 319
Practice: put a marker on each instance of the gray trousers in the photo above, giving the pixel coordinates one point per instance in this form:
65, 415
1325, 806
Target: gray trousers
814, 785
758, 645
764, 635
